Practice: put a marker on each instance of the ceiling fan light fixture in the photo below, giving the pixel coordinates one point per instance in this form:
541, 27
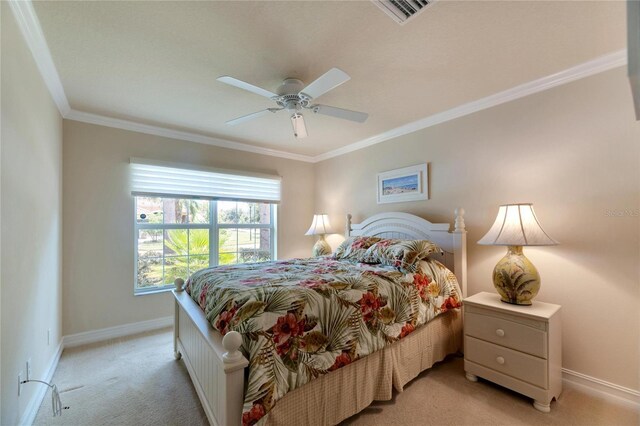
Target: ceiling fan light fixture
299, 128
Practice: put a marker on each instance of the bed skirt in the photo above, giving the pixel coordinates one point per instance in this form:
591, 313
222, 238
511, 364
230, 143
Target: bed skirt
334, 397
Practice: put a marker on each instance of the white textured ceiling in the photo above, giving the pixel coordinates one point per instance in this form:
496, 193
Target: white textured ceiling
157, 62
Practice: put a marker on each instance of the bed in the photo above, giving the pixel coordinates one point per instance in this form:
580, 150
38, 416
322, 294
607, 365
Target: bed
219, 370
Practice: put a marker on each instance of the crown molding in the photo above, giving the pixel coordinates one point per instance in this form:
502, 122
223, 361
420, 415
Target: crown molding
586, 69
134, 126
30, 26
32, 31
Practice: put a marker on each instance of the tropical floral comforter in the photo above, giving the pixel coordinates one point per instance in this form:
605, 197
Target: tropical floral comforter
302, 318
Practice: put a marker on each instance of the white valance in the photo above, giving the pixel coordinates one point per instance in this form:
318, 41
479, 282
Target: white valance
172, 180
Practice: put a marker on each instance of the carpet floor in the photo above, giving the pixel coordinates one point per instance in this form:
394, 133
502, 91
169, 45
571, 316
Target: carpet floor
136, 381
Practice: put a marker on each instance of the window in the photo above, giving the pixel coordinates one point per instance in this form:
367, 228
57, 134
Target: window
178, 236
189, 219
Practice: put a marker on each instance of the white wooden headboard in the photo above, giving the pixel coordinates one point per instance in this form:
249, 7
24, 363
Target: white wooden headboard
410, 227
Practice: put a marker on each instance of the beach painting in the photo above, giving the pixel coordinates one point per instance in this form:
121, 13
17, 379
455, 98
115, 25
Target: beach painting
400, 185
406, 184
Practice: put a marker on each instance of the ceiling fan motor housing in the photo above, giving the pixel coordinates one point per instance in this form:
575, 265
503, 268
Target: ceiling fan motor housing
290, 86
289, 95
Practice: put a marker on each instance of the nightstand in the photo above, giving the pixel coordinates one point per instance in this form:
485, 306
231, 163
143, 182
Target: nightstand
518, 347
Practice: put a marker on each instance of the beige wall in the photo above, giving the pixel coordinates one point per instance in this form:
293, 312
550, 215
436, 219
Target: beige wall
31, 210
98, 218
573, 151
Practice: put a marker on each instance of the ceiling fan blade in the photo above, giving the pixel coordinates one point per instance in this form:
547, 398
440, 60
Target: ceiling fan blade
246, 86
248, 117
345, 114
327, 81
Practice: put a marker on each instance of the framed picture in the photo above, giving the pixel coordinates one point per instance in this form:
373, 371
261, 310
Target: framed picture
633, 50
406, 184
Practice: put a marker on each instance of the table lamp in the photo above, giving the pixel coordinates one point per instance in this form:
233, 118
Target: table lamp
320, 226
514, 277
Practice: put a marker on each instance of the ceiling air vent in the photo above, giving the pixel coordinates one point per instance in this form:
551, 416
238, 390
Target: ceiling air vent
402, 10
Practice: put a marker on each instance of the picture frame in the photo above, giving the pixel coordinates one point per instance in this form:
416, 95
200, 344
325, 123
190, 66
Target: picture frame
633, 51
405, 184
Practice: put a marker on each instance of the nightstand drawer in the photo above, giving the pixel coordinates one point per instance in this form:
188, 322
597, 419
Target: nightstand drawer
516, 364
506, 333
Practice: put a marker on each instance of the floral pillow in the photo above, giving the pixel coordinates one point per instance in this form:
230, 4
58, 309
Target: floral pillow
354, 248
403, 254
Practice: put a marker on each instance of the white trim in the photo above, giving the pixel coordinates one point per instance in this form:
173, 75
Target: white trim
586, 69
118, 123
601, 388
32, 31
633, 47
30, 27
29, 24
30, 412
115, 332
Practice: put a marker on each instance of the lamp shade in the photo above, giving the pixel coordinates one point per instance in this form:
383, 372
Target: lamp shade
320, 225
517, 225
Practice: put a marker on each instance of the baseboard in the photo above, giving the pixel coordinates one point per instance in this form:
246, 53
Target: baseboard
115, 332
609, 391
78, 339
33, 406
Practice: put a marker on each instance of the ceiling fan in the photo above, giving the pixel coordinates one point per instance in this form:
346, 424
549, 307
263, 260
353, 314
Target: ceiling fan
294, 97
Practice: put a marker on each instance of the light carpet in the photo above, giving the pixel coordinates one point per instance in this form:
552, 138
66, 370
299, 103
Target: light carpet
136, 381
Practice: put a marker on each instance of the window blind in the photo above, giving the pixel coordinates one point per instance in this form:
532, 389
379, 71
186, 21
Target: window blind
164, 179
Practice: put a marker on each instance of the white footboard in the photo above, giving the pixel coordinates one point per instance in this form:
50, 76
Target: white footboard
215, 365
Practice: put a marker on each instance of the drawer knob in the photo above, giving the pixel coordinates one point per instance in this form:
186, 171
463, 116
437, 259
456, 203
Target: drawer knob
500, 332
500, 360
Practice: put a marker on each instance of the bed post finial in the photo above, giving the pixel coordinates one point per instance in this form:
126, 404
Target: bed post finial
460, 227
179, 283
347, 230
231, 342
460, 251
